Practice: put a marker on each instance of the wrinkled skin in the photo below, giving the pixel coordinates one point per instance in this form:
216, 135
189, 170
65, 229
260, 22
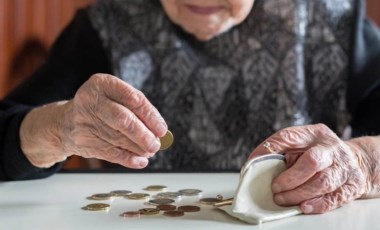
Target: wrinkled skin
107, 119
323, 172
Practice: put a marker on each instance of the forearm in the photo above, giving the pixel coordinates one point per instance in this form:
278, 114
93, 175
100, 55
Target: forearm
41, 135
368, 149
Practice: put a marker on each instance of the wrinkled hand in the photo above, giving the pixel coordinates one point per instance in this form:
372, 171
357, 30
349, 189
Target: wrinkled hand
107, 119
323, 172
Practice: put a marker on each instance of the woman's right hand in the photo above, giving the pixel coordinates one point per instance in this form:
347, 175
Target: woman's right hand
107, 119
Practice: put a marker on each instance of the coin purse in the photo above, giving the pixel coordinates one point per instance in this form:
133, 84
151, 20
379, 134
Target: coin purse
253, 200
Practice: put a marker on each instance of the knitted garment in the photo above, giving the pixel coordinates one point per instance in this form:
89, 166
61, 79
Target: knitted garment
285, 65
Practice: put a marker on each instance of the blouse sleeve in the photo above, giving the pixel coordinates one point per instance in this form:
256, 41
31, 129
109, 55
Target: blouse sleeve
76, 55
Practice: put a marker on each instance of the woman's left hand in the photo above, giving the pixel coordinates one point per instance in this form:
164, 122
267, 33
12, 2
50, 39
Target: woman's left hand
323, 172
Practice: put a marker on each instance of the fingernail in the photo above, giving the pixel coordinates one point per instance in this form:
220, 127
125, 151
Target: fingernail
279, 199
142, 162
161, 128
307, 209
276, 188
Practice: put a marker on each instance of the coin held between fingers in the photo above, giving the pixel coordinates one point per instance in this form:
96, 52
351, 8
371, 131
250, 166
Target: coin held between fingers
166, 141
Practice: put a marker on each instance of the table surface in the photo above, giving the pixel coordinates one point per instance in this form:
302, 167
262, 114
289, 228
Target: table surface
56, 202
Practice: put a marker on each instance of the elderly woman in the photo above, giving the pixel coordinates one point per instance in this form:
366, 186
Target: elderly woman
224, 75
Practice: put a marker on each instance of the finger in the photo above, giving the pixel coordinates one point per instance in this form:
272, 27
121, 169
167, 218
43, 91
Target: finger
293, 139
291, 158
126, 159
330, 201
120, 118
123, 93
322, 183
116, 138
309, 163
117, 155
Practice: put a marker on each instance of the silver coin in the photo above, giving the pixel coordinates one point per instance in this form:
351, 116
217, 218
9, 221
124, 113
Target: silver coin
190, 192
120, 192
100, 196
169, 195
161, 201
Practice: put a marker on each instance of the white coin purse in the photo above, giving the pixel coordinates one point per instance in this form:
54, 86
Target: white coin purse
253, 200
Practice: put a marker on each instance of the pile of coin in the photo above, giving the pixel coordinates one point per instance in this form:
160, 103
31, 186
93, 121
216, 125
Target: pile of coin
163, 201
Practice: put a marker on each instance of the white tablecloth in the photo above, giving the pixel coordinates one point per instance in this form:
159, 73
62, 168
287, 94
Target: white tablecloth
56, 202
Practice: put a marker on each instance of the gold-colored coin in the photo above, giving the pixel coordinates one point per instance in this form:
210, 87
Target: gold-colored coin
209, 201
138, 196
189, 208
149, 211
97, 207
156, 188
190, 192
100, 196
224, 202
159, 201
166, 141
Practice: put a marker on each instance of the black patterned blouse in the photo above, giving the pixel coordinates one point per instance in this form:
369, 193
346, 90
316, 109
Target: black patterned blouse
291, 62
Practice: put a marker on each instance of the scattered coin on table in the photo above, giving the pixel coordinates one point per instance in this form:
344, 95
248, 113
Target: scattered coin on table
97, 207
159, 201
131, 214
156, 188
100, 196
120, 193
138, 196
163, 202
166, 207
170, 195
189, 208
209, 201
190, 192
149, 211
174, 213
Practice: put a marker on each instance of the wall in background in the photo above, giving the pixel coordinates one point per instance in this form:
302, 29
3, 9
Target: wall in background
27, 29
373, 10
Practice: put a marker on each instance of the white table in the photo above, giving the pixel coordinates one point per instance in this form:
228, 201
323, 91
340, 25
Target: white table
55, 203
